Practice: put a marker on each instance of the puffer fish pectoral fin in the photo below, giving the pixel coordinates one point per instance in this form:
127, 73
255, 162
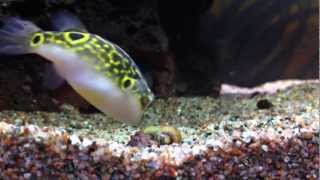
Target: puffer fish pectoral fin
61, 21
52, 80
66, 21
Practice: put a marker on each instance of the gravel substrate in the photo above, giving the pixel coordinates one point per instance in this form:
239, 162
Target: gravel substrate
264, 136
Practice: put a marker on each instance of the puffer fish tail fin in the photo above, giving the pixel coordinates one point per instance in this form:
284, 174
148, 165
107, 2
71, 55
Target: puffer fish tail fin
15, 35
66, 21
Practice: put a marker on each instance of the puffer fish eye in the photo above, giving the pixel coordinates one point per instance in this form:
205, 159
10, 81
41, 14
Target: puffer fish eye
127, 83
37, 39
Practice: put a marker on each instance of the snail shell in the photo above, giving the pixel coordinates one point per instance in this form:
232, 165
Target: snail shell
163, 134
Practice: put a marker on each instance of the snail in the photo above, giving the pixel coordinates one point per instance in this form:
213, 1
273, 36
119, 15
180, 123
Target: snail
163, 134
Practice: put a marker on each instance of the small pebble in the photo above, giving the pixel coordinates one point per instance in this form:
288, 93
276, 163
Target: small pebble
265, 148
307, 135
264, 104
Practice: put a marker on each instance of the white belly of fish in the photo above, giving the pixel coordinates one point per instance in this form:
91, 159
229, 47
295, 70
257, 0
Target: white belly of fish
97, 89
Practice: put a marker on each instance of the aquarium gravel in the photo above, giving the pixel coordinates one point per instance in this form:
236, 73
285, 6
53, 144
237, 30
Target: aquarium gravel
222, 138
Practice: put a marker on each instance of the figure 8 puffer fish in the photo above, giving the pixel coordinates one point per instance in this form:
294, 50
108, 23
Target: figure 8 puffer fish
97, 69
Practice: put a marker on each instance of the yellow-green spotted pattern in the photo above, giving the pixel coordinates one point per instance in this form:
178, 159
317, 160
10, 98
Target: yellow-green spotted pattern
106, 57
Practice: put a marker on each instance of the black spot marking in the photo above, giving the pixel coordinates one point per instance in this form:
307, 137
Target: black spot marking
116, 57
75, 36
107, 48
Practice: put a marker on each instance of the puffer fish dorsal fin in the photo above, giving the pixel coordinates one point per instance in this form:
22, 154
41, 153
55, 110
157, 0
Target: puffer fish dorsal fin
66, 21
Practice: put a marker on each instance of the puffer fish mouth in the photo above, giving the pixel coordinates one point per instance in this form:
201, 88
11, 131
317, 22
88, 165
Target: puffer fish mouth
146, 100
